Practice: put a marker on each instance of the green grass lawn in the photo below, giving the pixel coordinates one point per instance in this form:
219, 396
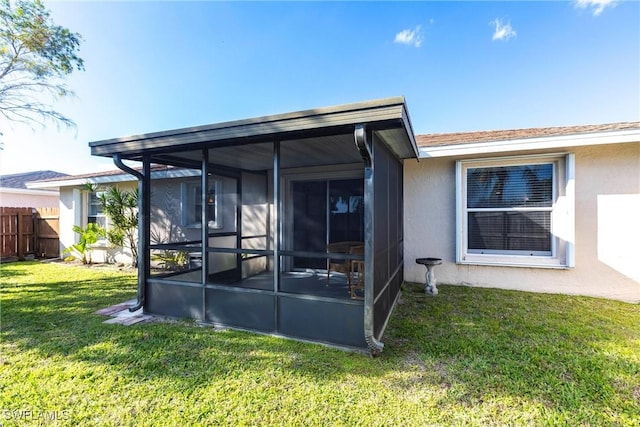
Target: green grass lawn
466, 357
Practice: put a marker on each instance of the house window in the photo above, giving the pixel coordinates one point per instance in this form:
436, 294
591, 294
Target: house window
516, 211
94, 210
192, 204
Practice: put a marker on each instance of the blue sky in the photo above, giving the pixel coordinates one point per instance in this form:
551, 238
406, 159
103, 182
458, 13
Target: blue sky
461, 66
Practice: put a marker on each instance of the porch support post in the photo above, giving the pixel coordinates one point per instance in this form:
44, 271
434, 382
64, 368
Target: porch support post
144, 225
204, 215
144, 214
276, 216
277, 238
362, 139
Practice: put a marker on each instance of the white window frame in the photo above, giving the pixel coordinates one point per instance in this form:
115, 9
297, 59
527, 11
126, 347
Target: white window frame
562, 214
99, 215
189, 190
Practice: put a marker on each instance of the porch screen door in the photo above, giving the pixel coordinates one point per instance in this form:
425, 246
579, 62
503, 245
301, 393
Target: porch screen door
325, 211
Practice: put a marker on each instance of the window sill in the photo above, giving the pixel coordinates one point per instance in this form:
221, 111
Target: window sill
101, 244
505, 261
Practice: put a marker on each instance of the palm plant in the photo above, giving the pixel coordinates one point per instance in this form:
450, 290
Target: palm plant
88, 236
121, 207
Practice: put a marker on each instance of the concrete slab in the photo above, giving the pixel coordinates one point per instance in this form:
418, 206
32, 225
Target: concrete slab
120, 314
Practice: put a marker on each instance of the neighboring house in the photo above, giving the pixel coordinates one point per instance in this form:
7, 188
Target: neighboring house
79, 206
545, 210
14, 192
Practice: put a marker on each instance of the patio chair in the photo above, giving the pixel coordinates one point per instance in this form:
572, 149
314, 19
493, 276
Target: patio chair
356, 274
341, 265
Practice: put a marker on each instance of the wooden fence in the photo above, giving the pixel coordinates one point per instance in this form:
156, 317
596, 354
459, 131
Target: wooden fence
30, 231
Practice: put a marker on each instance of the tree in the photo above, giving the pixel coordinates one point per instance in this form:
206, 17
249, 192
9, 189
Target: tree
35, 57
121, 207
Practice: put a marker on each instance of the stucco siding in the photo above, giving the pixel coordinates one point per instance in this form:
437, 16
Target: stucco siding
607, 232
70, 211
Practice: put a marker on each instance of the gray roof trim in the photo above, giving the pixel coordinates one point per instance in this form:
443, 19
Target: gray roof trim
388, 113
409, 127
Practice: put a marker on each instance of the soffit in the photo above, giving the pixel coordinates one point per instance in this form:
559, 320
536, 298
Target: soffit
334, 149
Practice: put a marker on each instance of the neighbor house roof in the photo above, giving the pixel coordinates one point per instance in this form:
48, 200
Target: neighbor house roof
466, 143
19, 180
109, 177
103, 174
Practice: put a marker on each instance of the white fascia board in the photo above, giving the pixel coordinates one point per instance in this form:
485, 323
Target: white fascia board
28, 191
81, 181
526, 144
111, 179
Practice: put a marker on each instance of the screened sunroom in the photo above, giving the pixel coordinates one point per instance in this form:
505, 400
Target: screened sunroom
288, 225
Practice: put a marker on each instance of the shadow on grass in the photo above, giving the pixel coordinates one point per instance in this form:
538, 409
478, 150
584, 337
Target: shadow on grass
474, 344
11, 271
58, 318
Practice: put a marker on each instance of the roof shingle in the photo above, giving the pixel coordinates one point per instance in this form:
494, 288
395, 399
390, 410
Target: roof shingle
441, 139
19, 180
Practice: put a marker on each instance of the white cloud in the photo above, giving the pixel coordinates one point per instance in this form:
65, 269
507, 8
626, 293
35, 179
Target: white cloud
503, 31
597, 5
411, 37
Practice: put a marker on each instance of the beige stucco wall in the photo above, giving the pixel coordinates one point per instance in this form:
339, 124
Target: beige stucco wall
70, 215
607, 229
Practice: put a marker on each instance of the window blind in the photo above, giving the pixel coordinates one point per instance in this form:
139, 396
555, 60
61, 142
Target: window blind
509, 209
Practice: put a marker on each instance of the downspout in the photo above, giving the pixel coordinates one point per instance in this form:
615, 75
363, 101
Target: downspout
360, 135
142, 220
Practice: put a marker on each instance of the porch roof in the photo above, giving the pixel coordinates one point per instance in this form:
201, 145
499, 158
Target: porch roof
388, 117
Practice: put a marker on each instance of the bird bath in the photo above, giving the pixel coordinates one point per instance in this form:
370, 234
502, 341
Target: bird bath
430, 278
